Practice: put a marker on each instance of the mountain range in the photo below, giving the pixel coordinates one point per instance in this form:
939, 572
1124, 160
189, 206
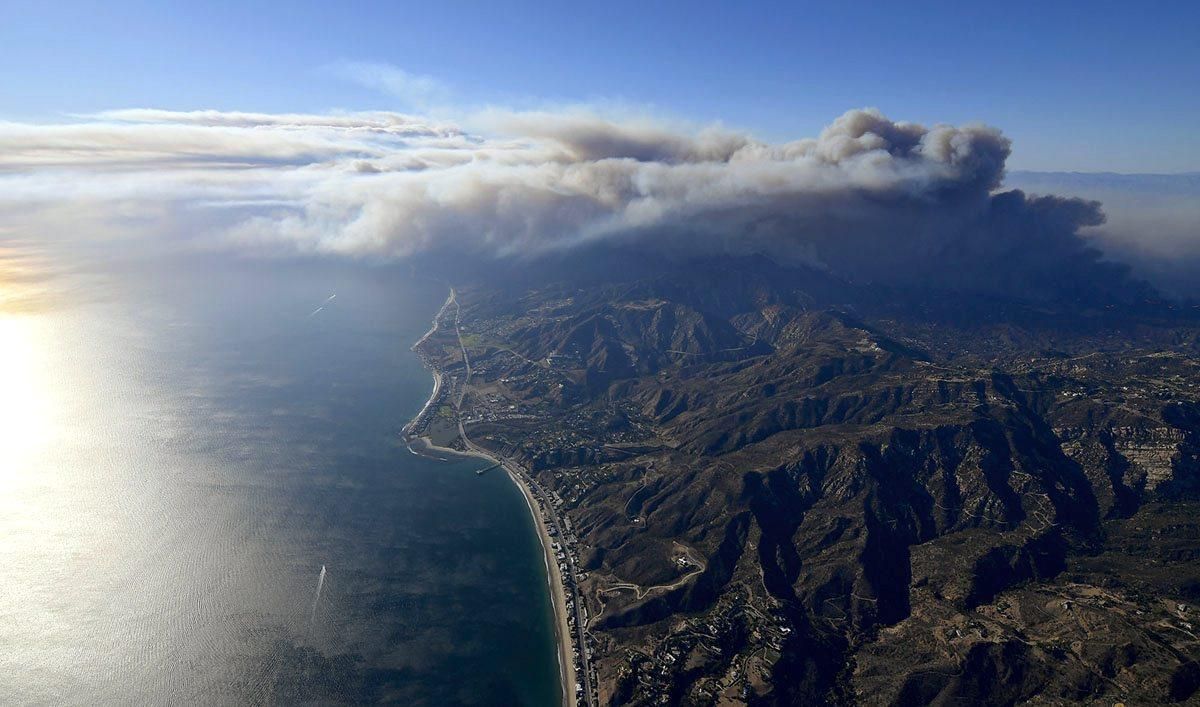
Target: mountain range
793, 488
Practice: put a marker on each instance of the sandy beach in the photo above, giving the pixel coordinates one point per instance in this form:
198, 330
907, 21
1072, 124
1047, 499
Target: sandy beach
566, 661
562, 630
424, 446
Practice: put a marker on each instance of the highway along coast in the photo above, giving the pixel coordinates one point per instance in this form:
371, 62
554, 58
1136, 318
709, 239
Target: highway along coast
438, 432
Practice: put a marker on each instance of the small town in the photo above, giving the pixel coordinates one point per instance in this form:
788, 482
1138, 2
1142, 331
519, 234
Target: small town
441, 426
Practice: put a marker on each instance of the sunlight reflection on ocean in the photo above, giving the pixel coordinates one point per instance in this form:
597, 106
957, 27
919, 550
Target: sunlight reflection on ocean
182, 447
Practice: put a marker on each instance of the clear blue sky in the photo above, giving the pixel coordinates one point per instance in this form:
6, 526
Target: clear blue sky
1078, 86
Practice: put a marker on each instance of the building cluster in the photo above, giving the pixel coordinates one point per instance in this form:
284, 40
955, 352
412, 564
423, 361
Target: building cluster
565, 545
490, 407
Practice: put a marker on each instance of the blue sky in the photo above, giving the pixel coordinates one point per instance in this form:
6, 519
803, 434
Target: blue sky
1078, 86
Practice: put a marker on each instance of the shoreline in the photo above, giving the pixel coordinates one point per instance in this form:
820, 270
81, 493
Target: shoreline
437, 388
424, 446
437, 375
558, 596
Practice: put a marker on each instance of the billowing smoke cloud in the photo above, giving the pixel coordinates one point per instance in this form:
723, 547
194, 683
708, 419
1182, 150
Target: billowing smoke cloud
869, 197
1153, 220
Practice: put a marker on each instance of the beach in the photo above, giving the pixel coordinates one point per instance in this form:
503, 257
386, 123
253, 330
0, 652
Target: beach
424, 446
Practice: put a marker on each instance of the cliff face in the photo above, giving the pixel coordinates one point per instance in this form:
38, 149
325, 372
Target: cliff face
780, 502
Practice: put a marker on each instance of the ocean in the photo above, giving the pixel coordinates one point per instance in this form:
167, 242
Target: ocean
204, 498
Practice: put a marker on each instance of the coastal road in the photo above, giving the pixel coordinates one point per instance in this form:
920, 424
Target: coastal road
696, 562
520, 474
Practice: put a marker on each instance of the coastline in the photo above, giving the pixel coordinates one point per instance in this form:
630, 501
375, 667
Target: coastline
424, 446
437, 375
558, 597
437, 388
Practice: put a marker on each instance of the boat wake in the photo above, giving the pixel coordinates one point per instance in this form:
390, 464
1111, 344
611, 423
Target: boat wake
316, 600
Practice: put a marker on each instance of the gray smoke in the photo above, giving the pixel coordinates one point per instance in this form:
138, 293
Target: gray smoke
1153, 220
869, 197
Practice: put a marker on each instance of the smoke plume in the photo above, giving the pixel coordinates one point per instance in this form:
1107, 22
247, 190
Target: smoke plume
869, 198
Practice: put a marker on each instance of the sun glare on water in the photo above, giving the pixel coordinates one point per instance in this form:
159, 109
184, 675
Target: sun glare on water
29, 393
26, 415
29, 432
26, 357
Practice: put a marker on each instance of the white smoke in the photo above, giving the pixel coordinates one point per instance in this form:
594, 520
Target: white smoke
868, 195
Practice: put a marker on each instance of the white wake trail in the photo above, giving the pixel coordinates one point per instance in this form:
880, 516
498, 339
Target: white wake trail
317, 599
328, 299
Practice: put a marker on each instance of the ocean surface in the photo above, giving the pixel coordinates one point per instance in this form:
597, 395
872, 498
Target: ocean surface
185, 444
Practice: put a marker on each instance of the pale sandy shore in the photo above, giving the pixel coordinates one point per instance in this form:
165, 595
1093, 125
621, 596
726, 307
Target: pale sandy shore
562, 630
425, 447
558, 596
437, 387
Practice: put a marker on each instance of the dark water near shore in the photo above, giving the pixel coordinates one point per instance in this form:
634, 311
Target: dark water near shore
183, 446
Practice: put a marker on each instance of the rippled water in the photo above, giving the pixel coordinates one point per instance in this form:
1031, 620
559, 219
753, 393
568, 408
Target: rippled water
184, 445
